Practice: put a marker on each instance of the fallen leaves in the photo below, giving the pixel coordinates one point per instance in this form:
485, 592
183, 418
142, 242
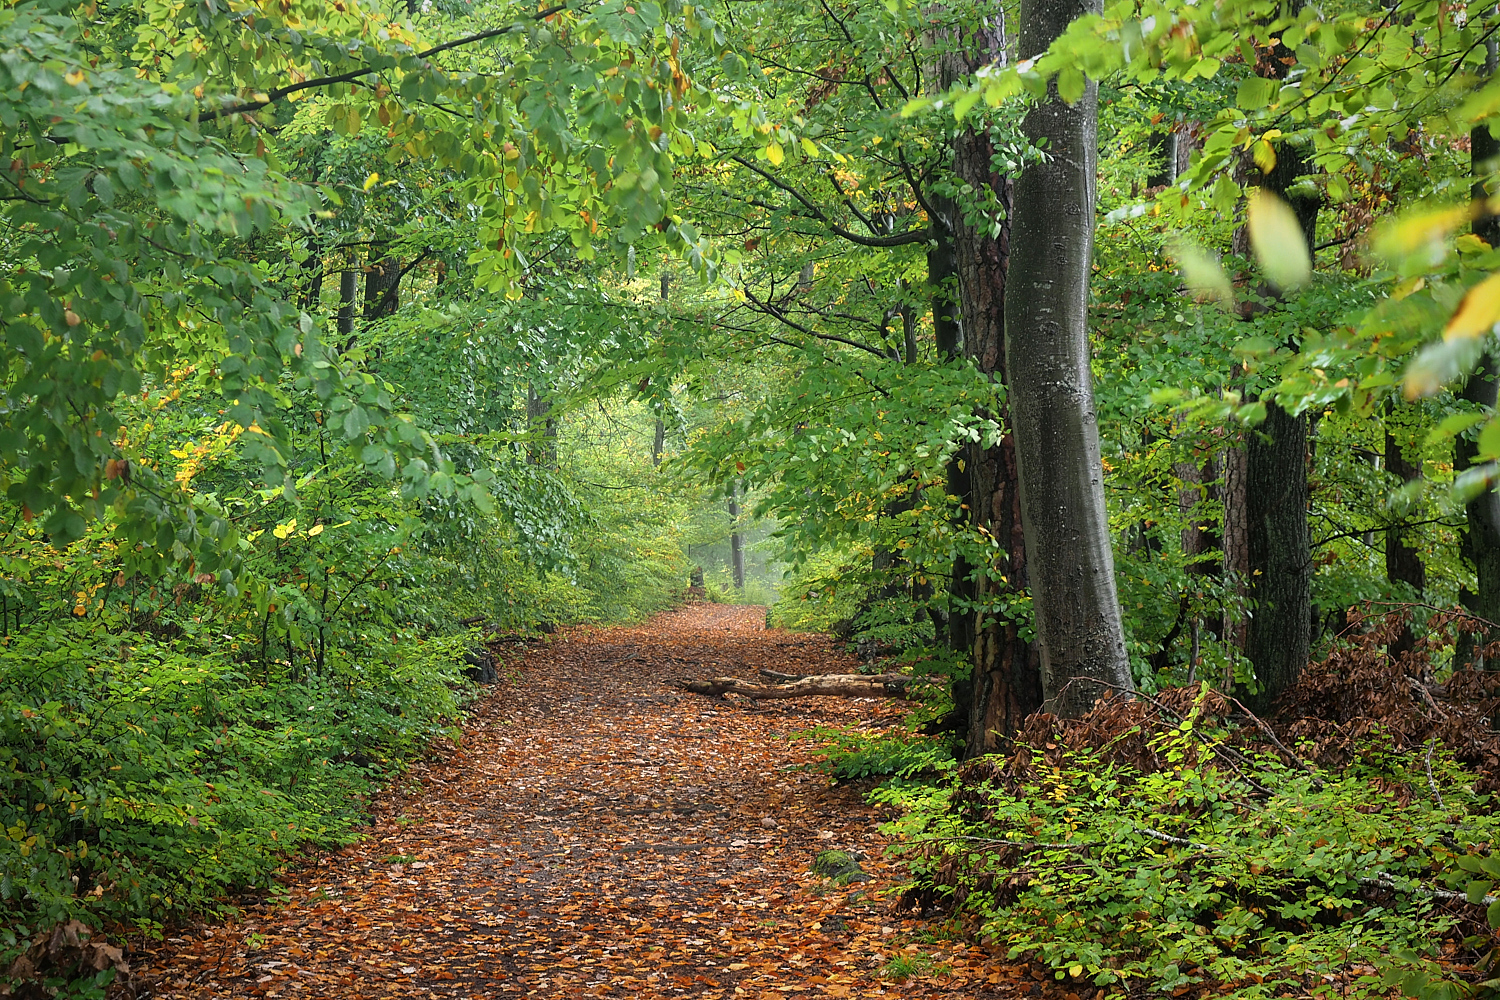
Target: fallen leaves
600, 833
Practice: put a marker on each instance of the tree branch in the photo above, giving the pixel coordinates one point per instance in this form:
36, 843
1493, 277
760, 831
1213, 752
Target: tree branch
899, 239
326, 81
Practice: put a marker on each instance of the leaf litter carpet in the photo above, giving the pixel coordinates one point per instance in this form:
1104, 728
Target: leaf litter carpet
602, 834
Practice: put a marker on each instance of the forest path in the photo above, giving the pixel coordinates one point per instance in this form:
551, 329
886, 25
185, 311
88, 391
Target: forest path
599, 834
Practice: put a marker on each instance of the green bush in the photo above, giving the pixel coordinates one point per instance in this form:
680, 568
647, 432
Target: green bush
1220, 867
848, 756
141, 779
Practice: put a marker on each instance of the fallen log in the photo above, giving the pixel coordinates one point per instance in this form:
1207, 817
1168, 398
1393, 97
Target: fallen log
832, 685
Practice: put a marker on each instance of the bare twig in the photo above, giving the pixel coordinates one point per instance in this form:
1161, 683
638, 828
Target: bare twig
1421, 689
1317, 781
1432, 782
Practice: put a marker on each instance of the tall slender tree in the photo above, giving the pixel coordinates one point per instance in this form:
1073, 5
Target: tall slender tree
1050, 386
1480, 542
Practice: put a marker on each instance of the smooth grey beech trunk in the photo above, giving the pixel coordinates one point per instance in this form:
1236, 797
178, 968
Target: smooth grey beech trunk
1051, 393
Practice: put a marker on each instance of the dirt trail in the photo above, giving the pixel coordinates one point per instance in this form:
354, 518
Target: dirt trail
599, 834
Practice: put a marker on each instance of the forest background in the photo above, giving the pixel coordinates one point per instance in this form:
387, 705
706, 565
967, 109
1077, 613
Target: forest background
334, 328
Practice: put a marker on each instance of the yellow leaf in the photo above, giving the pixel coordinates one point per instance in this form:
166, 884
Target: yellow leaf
1426, 232
371, 181
315, 530
1469, 243
775, 154
1276, 237
1265, 156
1408, 287
810, 148
75, 77
1477, 314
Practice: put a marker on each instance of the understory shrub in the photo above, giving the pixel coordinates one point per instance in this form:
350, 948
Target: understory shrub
849, 756
140, 779
1175, 843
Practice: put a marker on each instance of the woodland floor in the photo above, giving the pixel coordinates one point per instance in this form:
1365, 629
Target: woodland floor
601, 834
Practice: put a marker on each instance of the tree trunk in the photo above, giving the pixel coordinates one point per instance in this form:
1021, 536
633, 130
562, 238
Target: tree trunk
1279, 630
1403, 562
1480, 542
736, 540
542, 430
1163, 146
942, 277
659, 438
1278, 633
1202, 542
348, 289
1005, 685
1070, 562
382, 285
312, 291
1236, 537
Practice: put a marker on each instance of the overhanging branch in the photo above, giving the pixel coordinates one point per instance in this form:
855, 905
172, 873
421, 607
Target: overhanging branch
281, 93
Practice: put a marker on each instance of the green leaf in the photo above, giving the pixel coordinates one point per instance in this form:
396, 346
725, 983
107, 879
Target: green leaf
965, 102
356, 422
1489, 441
1070, 84
1453, 425
1254, 92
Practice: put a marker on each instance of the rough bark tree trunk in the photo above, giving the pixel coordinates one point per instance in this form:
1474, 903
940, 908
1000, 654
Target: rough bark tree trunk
1070, 561
382, 285
1280, 551
1278, 633
1005, 685
541, 427
1480, 542
348, 289
1403, 562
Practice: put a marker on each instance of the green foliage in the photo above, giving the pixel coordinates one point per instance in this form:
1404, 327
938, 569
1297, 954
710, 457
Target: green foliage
906, 965
813, 598
850, 756
1261, 875
143, 778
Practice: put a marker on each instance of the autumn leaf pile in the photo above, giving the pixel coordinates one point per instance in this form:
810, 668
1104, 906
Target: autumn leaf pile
602, 833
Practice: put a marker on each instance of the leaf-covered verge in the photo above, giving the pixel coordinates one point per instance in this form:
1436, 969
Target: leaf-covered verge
1176, 844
